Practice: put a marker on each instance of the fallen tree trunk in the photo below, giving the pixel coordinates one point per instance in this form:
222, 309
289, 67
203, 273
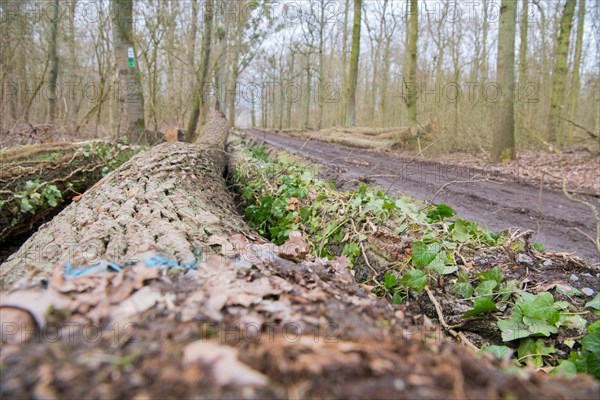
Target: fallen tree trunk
240, 320
36, 181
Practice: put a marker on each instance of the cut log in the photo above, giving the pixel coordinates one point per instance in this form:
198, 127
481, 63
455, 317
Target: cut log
242, 322
168, 201
71, 168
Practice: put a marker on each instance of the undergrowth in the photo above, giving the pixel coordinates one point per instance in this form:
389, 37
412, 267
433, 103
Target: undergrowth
281, 197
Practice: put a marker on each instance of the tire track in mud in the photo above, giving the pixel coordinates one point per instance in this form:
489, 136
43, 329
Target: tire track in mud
500, 202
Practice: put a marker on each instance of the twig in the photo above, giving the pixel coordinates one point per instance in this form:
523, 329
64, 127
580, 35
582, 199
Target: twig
586, 130
457, 335
471, 180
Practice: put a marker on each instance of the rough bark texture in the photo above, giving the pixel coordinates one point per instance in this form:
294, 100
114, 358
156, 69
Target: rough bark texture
413, 39
167, 201
503, 141
353, 77
130, 93
559, 75
247, 323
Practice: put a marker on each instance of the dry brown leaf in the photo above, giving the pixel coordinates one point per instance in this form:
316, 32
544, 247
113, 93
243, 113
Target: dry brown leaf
140, 301
17, 325
295, 249
226, 367
293, 204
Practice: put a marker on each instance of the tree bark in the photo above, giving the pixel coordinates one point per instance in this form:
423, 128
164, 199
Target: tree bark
131, 95
199, 104
53, 60
413, 38
353, 76
560, 72
503, 146
167, 201
575, 85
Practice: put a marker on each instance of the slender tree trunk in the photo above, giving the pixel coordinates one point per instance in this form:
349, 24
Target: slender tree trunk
413, 38
231, 95
522, 82
353, 78
199, 103
321, 83
560, 72
288, 111
130, 96
503, 147
575, 85
484, 52
344, 64
306, 94
53, 60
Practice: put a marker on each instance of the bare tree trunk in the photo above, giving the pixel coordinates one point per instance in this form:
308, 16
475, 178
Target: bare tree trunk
560, 72
575, 85
344, 63
522, 82
353, 77
411, 63
131, 96
235, 60
199, 103
53, 60
503, 147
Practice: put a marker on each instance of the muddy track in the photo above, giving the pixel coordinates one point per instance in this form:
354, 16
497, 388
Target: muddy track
498, 203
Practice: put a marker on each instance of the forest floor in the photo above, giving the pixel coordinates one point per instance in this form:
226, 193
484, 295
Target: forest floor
519, 195
151, 333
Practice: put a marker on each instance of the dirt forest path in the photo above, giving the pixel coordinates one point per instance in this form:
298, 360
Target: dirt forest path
498, 203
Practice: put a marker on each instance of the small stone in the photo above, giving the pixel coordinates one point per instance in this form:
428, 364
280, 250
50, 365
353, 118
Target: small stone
547, 263
399, 385
524, 259
574, 278
587, 291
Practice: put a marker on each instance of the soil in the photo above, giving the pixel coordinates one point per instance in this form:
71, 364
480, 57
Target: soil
490, 197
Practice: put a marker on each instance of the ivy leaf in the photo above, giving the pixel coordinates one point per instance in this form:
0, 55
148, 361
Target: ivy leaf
351, 250
572, 321
415, 280
481, 305
439, 213
594, 303
566, 368
495, 274
423, 255
390, 281
538, 327
460, 233
26, 206
397, 299
502, 352
541, 308
486, 288
591, 342
534, 351
437, 264
463, 289
449, 269
513, 329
